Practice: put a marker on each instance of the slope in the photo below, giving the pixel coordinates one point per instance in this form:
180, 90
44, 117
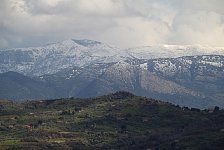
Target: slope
54, 57
16, 86
116, 121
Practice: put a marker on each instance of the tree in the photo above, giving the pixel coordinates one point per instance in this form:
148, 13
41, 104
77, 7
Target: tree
216, 108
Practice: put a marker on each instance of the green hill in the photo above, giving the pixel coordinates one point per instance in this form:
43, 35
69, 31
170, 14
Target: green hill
116, 121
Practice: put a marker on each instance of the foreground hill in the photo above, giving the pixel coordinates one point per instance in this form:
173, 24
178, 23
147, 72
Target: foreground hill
115, 121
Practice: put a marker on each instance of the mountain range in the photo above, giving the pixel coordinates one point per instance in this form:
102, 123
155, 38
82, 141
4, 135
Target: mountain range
185, 75
51, 58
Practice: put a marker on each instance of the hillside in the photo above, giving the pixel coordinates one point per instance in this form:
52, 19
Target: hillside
17, 86
115, 121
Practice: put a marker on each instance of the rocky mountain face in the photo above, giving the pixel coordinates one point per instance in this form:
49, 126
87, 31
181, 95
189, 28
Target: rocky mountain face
85, 68
178, 80
199, 73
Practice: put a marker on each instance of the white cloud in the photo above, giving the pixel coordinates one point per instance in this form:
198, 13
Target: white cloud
125, 23
199, 27
130, 31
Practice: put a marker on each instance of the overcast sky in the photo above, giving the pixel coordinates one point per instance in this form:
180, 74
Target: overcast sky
124, 23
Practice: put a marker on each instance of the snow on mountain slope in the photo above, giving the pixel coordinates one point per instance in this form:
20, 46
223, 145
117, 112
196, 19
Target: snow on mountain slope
189, 66
172, 51
54, 57
196, 81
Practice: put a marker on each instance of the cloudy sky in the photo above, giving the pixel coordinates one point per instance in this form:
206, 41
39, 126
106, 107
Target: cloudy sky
125, 23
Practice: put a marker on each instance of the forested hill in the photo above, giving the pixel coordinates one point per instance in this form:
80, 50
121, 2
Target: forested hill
116, 121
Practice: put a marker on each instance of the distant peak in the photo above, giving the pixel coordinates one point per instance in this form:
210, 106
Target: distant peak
86, 42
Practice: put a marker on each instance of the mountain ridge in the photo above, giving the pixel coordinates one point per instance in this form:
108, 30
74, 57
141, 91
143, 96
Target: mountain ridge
54, 57
193, 81
86, 68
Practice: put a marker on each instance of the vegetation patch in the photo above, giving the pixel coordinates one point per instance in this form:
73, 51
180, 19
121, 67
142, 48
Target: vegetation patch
116, 121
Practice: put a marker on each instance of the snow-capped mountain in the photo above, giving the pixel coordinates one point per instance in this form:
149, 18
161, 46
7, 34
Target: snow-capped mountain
195, 81
54, 57
84, 68
172, 51
189, 67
